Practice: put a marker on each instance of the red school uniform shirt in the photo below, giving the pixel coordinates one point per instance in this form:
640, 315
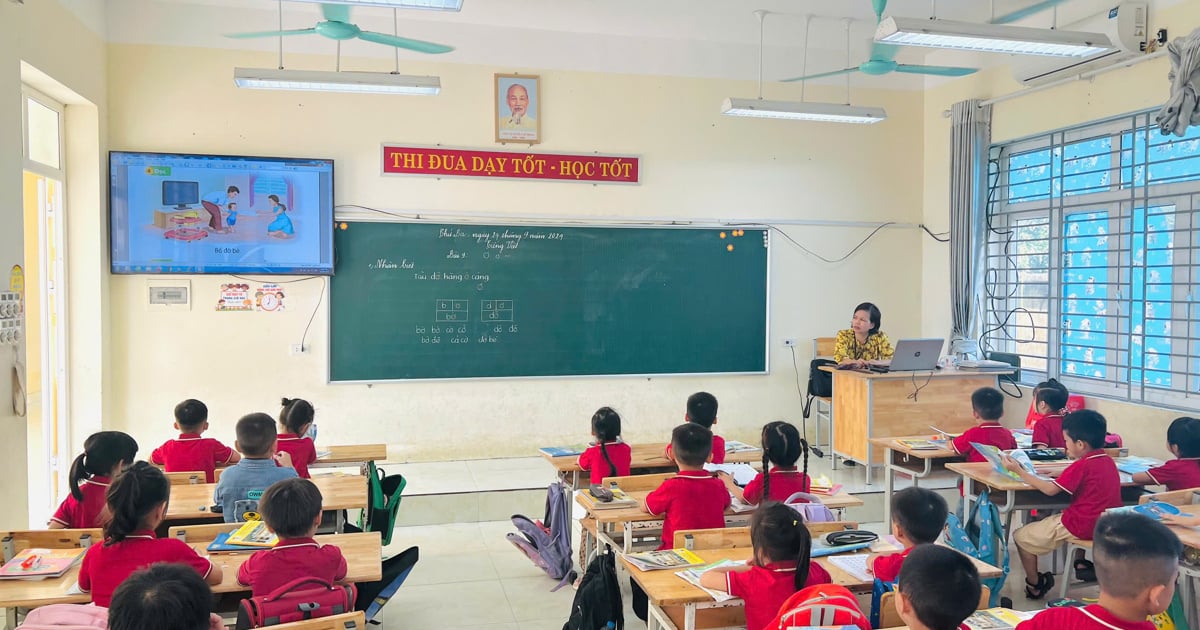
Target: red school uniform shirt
766, 588
718, 449
292, 558
887, 568
86, 513
1177, 474
785, 481
1048, 431
693, 499
105, 567
592, 459
1095, 486
190, 452
301, 449
1093, 617
984, 433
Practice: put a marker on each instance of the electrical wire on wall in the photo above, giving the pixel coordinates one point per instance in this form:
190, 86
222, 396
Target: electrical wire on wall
992, 279
320, 298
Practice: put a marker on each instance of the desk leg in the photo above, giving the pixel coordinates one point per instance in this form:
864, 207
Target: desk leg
889, 483
10, 618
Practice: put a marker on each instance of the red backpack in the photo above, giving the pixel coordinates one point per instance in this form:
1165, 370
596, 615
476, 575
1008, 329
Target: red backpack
820, 605
302, 598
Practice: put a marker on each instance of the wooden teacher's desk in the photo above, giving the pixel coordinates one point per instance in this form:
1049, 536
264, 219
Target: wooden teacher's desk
645, 458
870, 405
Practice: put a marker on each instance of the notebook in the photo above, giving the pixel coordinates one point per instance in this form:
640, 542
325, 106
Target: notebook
33, 564
855, 565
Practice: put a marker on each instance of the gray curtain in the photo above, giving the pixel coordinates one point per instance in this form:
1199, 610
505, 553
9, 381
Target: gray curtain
970, 135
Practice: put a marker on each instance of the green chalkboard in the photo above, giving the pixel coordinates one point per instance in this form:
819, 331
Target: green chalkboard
421, 301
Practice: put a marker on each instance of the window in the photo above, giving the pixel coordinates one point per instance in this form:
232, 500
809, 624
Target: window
1093, 261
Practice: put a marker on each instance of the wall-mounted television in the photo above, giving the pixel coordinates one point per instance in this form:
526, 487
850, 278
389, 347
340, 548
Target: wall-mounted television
181, 213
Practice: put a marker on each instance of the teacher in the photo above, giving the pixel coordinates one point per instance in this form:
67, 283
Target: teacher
862, 342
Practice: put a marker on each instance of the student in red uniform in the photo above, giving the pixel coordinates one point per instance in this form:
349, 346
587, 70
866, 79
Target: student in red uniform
608, 457
294, 420
937, 589
1074, 402
103, 456
1094, 484
782, 446
693, 499
1137, 561
190, 451
918, 517
780, 565
987, 405
702, 410
292, 509
1048, 431
137, 500
165, 596
1183, 472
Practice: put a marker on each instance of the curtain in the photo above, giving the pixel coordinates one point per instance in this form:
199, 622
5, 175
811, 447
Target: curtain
970, 135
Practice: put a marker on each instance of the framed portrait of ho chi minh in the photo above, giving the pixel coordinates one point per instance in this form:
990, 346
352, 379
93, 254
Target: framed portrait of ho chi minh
518, 108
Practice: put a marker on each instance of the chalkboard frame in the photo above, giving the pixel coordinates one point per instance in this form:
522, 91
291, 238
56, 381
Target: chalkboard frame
500, 221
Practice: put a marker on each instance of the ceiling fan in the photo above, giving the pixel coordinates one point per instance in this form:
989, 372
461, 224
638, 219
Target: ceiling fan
882, 60
337, 26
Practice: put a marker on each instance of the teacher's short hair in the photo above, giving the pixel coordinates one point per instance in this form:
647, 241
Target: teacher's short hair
873, 313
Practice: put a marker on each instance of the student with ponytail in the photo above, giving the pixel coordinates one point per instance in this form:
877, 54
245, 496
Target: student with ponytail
294, 421
781, 565
1183, 472
782, 446
104, 454
608, 457
136, 500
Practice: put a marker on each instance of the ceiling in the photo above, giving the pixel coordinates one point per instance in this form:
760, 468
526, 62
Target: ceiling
693, 38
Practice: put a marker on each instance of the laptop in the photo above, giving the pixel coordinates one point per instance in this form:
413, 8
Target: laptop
915, 355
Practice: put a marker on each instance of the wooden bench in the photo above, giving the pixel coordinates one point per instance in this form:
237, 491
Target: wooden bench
345, 621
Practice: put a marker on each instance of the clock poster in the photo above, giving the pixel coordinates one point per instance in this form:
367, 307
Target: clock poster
269, 297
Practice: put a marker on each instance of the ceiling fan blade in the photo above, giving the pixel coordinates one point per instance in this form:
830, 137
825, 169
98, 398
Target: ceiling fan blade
404, 42
1032, 9
937, 71
883, 52
880, 6
821, 75
336, 12
298, 31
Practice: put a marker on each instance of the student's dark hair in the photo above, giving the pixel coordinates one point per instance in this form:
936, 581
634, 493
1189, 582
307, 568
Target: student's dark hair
920, 513
702, 409
135, 492
191, 413
782, 446
256, 434
988, 403
1054, 397
291, 506
606, 425
1134, 552
942, 585
873, 314
1051, 382
296, 413
1184, 433
232, 189
779, 534
1086, 425
691, 443
163, 596
101, 453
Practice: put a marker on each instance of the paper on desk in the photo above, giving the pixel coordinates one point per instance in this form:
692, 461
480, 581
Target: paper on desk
742, 473
693, 578
854, 564
321, 454
75, 590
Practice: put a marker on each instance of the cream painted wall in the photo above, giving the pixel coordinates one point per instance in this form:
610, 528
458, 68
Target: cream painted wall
697, 164
1118, 92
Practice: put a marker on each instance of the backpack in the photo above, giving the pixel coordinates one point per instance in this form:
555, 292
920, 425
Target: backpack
383, 502
982, 537
373, 595
66, 617
820, 605
880, 587
548, 542
810, 508
597, 603
820, 382
302, 598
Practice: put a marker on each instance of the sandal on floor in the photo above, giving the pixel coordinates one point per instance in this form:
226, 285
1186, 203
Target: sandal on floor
1045, 582
1085, 571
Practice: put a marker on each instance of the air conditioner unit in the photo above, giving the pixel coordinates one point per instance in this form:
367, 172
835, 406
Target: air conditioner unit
1126, 27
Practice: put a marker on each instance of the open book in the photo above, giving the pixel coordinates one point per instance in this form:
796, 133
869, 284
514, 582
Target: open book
997, 619
923, 445
253, 534
693, 577
992, 454
742, 473
663, 559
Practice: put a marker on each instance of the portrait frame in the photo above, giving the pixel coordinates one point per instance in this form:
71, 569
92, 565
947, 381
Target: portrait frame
529, 128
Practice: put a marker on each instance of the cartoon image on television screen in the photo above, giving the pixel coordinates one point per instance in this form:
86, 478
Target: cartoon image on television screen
176, 213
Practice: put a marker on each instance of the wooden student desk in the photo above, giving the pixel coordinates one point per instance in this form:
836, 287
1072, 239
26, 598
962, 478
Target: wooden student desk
338, 492
344, 454
363, 552
869, 405
674, 601
645, 458
915, 464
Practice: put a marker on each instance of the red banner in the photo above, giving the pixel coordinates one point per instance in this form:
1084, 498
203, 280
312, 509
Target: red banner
443, 162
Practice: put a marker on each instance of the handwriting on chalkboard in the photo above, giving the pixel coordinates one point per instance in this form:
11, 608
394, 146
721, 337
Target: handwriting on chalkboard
385, 264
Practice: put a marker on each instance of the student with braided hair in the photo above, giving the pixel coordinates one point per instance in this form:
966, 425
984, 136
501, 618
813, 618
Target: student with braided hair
608, 457
780, 479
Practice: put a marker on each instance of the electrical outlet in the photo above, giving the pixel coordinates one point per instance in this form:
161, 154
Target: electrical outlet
298, 348
789, 343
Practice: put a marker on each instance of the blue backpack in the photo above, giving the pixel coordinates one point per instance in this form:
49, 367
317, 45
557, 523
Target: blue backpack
982, 537
548, 542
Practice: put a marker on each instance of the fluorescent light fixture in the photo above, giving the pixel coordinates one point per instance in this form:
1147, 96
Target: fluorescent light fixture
791, 110
997, 38
320, 81
434, 5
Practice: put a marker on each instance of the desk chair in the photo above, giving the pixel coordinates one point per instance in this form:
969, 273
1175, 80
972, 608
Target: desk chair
1177, 497
345, 621
1064, 580
824, 347
889, 618
17, 541
186, 477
